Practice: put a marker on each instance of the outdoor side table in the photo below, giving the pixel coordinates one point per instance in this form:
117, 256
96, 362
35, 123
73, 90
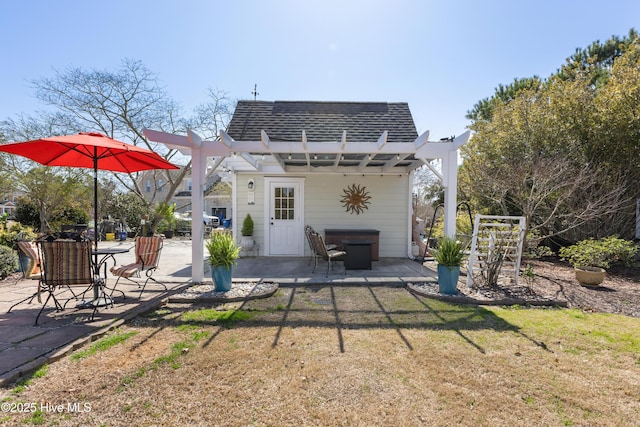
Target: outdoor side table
358, 255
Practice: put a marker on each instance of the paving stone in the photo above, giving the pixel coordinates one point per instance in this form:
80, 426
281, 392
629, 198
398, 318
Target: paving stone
15, 334
13, 358
56, 338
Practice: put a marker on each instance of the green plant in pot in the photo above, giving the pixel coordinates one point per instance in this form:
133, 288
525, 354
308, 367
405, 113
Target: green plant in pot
165, 213
223, 253
591, 258
247, 241
449, 255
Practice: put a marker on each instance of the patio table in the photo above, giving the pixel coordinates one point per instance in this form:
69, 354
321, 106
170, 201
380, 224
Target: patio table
100, 282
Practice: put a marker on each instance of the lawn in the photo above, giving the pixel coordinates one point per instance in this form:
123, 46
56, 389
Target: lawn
346, 356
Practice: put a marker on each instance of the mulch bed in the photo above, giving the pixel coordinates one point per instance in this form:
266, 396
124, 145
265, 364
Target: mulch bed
553, 284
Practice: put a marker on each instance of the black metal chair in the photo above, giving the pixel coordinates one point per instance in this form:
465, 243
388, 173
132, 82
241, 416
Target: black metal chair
322, 251
148, 251
308, 230
66, 264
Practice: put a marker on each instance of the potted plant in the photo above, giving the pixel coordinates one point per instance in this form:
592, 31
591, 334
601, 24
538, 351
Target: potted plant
449, 255
223, 252
591, 258
247, 233
165, 213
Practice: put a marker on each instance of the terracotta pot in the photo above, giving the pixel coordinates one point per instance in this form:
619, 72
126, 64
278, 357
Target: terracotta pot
591, 276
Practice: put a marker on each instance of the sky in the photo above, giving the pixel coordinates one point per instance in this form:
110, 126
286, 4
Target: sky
439, 56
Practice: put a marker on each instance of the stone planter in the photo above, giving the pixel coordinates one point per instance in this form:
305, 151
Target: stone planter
590, 276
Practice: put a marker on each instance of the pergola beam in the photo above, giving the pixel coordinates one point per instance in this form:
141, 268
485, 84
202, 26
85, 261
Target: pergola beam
279, 151
382, 141
394, 161
340, 151
435, 171
264, 138
421, 140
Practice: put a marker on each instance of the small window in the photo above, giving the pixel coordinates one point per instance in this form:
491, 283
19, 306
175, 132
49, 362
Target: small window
159, 185
147, 186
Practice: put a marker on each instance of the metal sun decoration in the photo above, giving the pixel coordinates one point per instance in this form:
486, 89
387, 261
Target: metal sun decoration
355, 199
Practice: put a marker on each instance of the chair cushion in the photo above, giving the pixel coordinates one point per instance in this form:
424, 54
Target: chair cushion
127, 270
30, 251
334, 253
148, 250
67, 263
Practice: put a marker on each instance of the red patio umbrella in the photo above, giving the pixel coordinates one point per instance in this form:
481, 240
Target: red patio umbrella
89, 150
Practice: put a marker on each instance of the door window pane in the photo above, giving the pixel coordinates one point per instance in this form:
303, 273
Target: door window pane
284, 203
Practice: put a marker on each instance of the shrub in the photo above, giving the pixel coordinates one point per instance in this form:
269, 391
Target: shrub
8, 261
247, 226
16, 232
600, 253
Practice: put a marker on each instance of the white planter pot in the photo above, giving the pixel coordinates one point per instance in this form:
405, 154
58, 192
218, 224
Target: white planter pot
415, 249
247, 243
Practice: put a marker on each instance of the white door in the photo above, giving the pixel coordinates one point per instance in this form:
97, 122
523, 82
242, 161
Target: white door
285, 223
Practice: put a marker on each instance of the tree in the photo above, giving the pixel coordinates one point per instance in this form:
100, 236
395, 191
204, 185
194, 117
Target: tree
564, 153
127, 207
530, 160
483, 110
54, 191
597, 59
119, 104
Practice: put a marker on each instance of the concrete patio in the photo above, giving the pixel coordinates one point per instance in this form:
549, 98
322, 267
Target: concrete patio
25, 347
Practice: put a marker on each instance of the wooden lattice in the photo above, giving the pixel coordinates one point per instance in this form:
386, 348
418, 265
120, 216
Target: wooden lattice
496, 248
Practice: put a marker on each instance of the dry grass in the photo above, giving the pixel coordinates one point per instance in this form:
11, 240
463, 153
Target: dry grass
353, 356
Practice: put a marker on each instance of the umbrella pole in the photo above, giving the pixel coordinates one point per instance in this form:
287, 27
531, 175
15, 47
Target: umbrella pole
96, 293
95, 201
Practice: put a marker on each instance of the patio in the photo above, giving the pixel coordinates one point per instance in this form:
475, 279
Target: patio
24, 347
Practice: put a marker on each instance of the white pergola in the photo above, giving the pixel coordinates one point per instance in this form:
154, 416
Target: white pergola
281, 157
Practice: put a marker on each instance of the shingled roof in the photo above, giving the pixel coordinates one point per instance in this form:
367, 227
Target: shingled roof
322, 121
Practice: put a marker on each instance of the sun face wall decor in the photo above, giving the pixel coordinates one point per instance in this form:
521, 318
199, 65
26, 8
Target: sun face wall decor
355, 199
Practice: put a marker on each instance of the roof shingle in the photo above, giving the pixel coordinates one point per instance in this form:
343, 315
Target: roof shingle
322, 121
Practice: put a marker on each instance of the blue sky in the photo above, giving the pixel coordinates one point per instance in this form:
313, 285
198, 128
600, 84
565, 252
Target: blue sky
440, 56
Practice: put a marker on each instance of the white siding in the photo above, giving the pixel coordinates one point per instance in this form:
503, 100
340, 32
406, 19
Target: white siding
388, 208
256, 210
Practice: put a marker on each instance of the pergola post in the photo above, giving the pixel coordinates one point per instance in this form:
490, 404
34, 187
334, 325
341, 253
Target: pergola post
198, 170
450, 183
